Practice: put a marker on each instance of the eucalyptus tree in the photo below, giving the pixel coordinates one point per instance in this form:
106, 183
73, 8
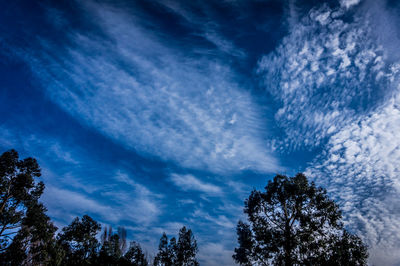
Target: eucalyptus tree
135, 255
180, 253
295, 223
19, 190
79, 241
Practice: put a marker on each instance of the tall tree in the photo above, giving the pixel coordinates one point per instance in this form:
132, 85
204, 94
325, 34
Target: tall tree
113, 246
79, 241
186, 248
135, 255
18, 191
165, 254
34, 244
295, 223
181, 252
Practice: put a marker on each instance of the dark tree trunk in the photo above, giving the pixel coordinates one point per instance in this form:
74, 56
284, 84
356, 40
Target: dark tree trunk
288, 248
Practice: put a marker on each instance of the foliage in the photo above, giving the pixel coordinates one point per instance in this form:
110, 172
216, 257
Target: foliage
18, 191
113, 247
27, 235
135, 255
79, 242
292, 223
165, 255
186, 248
295, 223
34, 244
182, 253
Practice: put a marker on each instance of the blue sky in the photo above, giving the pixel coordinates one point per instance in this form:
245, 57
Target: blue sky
157, 114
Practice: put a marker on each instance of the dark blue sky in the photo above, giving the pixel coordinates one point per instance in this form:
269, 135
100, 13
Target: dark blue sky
157, 114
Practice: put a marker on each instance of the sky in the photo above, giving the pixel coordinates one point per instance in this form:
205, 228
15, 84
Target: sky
157, 114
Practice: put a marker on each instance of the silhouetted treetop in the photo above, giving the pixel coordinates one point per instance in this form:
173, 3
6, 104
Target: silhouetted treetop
295, 223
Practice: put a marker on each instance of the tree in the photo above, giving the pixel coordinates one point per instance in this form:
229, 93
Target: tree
186, 248
135, 255
34, 244
79, 242
113, 246
165, 255
182, 253
295, 223
18, 191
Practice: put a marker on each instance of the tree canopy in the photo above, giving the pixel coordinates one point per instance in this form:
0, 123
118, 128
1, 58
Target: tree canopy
18, 193
295, 223
181, 253
78, 241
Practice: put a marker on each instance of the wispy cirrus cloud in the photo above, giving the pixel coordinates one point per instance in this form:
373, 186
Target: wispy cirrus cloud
205, 27
77, 184
150, 98
189, 182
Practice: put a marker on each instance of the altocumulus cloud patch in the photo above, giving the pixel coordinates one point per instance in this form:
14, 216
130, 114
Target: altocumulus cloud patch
325, 72
336, 82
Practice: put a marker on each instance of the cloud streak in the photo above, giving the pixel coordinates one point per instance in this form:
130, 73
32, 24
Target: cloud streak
189, 182
150, 98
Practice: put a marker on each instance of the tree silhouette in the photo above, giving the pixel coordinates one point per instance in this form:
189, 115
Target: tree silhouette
181, 253
135, 255
28, 237
295, 223
186, 248
34, 244
113, 247
18, 191
165, 255
79, 242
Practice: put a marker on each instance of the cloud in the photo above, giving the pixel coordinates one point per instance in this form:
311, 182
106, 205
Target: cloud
170, 229
216, 254
324, 73
77, 184
189, 182
77, 204
337, 83
150, 98
360, 168
209, 30
220, 220
112, 203
349, 3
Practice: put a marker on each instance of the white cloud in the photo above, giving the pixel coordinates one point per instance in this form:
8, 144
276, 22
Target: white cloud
189, 182
360, 168
115, 204
152, 99
216, 220
209, 30
70, 190
216, 254
349, 3
65, 204
170, 228
337, 80
325, 72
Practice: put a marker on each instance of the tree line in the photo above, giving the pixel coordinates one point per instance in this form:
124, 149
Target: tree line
292, 223
28, 236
